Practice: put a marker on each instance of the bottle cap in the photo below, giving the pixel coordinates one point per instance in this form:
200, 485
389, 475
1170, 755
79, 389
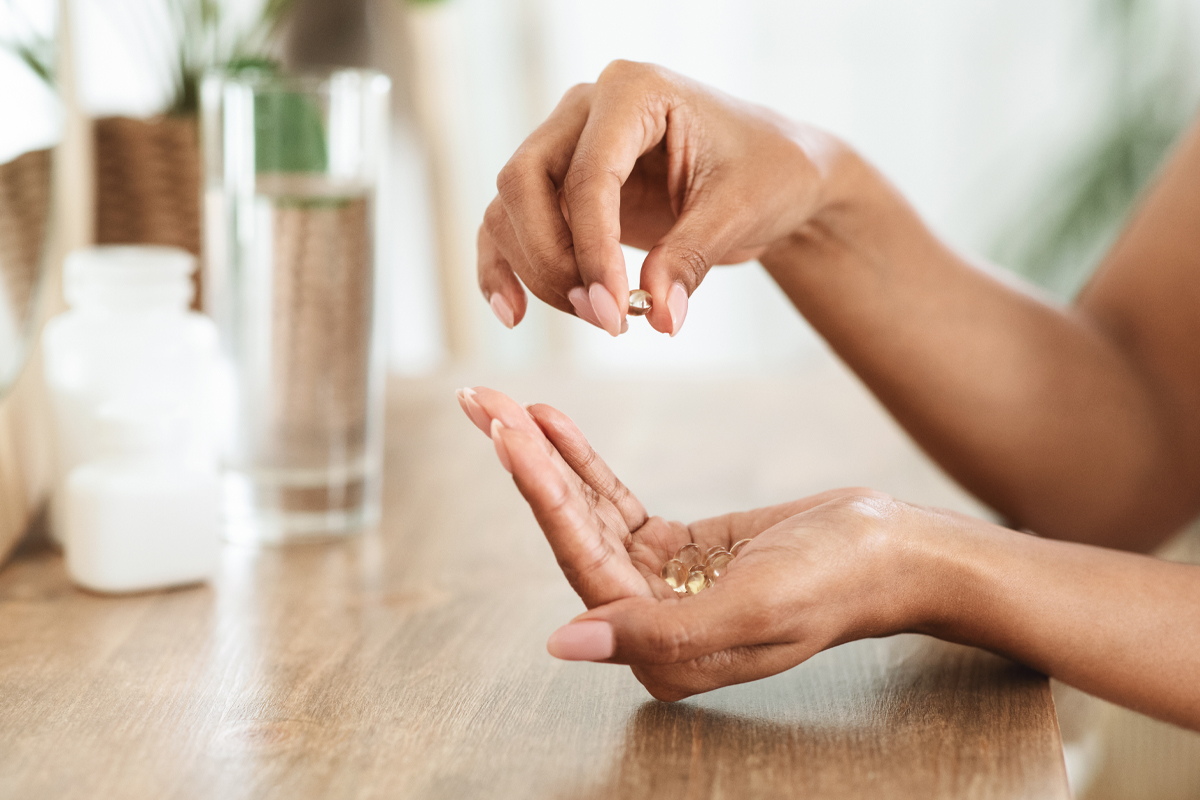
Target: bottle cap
128, 276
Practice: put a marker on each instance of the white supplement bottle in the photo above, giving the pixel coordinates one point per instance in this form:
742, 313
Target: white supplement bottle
139, 516
130, 338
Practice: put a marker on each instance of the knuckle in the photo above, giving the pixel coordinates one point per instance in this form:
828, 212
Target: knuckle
659, 683
584, 170
669, 641
495, 216
548, 253
692, 259
515, 175
578, 92
622, 69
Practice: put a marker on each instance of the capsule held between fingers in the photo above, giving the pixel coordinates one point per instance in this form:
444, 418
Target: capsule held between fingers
639, 303
737, 547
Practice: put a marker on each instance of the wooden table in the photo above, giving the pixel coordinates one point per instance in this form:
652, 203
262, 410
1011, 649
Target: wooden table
410, 662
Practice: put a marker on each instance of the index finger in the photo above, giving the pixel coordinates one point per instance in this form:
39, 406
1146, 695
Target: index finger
529, 193
628, 117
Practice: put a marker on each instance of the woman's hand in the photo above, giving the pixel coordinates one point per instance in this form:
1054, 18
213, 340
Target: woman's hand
819, 571
647, 158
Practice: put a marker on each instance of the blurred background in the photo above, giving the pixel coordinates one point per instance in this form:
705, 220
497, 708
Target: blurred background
1022, 130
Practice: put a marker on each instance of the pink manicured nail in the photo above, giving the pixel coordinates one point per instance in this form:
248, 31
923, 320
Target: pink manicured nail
501, 450
586, 640
606, 309
502, 309
583, 306
677, 304
466, 399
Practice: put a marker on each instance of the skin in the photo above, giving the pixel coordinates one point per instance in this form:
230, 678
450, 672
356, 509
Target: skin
1081, 423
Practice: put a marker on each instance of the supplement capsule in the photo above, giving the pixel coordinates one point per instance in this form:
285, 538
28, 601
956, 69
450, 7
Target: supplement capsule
717, 566
689, 554
712, 551
639, 303
697, 581
737, 547
675, 574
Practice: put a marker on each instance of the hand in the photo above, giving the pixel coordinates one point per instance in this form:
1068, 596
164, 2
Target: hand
647, 158
818, 571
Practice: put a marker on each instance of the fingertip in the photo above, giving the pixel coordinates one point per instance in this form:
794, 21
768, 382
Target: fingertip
474, 412
677, 305
501, 448
582, 304
584, 640
606, 308
503, 310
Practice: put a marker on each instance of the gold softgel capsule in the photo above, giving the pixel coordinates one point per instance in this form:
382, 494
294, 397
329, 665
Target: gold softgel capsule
675, 574
697, 581
639, 303
689, 572
690, 555
717, 565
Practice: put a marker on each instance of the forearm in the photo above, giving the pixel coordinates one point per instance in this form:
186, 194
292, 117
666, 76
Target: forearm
1028, 405
1119, 626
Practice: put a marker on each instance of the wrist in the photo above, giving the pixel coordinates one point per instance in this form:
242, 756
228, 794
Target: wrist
854, 234
957, 560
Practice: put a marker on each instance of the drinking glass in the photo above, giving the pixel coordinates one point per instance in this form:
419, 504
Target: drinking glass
292, 169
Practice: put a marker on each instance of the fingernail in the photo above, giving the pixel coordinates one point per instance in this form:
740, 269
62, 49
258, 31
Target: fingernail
677, 304
501, 450
606, 309
625, 326
583, 305
587, 640
502, 309
466, 399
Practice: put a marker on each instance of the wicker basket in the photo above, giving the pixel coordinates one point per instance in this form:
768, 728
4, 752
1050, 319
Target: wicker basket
24, 207
148, 183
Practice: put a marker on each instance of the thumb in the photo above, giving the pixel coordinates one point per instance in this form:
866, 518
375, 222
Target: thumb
642, 630
678, 263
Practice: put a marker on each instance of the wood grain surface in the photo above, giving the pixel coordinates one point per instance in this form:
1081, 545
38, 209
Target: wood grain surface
410, 661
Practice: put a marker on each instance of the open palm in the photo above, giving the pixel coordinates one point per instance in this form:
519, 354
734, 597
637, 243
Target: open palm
807, 551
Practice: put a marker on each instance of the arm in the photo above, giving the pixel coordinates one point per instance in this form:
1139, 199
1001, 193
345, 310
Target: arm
1117, 625
1081, 423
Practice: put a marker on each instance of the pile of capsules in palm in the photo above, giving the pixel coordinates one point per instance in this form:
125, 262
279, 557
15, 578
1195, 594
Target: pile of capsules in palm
691, 572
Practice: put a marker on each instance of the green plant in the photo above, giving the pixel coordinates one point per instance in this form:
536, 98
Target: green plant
32, 47
209, 37
1077, 213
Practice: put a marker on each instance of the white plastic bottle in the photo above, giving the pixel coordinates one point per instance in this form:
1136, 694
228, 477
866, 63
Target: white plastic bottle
129, 337
139, 516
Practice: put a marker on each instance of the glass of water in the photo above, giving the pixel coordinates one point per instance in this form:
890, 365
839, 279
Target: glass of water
292, 176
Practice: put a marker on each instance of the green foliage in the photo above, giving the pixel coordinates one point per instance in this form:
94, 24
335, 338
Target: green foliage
206, 40
288, 134
36, 50
1077, 214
